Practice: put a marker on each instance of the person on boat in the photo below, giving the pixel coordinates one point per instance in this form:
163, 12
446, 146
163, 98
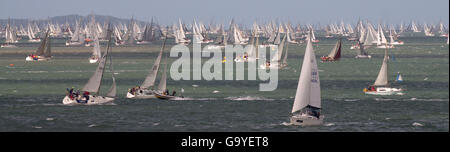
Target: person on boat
86, 95
166, 92
173, 93
371, 88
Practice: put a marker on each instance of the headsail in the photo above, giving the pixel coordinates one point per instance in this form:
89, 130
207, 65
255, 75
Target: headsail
382, 79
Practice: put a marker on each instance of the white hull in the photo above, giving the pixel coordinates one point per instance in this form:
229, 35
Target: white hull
384, 46
146, 94
93, 100
397, 43
272, 66
306, 120
385, 91
363, 56
34, 40
29, 58
143, 42
93, 60
8, 46
72, 43
213, 47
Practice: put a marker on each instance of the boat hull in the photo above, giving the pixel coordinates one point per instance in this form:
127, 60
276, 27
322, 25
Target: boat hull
93, 100
93, 60
163, 97
146, 95
39, 58
363, 56
306, 120
385, 91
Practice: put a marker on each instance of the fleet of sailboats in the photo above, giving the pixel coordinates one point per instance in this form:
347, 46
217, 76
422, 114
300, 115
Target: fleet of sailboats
307, 102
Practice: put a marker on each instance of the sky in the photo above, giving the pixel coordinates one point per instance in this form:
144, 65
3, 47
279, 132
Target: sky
243, 11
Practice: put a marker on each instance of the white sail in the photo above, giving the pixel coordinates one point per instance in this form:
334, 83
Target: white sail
162, 82
308, 88
93, 85
382, 79
279, 53
96, 50
151, 77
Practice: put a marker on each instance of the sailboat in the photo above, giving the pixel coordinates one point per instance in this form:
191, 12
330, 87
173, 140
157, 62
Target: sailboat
94, 83
381, 39
381, 85
163, 92
96, 53
399, 77
43, 53
307, 103
143, 91
362, 53
274, 63
77, 37
335, 54
250, 54
31, 35
10, 36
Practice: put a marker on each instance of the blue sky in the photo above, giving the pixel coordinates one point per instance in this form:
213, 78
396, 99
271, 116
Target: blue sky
243, 11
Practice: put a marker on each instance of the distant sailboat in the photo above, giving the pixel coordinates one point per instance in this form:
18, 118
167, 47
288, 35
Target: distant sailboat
381, 85
399, 77
362, 54
96, 53
335, 54
10, 36
274, 63
94, 83
163, 92
144, 90
43, 53
307, 103
31, 35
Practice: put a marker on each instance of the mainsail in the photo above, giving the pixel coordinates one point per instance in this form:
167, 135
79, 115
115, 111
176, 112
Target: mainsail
162, 82
336, 52
151, 77
279, 53
382, 79
308, 89
44, 49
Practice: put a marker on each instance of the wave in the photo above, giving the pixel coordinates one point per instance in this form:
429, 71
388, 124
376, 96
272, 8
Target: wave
286, 124
329, 124
416, 99
248, 98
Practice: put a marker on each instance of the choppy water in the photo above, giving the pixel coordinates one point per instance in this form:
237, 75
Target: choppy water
31, 94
